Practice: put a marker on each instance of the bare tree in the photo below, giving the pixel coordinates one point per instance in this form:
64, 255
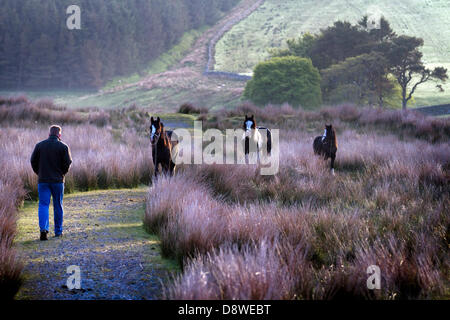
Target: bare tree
408, 68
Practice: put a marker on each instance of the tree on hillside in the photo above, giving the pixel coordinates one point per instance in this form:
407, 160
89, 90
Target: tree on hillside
363, 78
356, 61
339, 42
285, 79
377, 35
407, 67
300, 47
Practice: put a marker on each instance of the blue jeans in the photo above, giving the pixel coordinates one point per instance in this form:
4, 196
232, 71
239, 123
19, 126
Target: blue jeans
56, 191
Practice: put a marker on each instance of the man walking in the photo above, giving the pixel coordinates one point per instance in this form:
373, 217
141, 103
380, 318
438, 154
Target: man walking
51, 161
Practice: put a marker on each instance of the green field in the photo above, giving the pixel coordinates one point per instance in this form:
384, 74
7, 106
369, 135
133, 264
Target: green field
277, 20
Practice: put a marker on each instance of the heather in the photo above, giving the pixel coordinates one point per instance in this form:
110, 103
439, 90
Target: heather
106, 151
304, 233
300, 234
11, 193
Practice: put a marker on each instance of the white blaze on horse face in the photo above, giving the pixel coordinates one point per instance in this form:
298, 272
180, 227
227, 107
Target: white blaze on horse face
324, 135
153, 131
248, 129
248, 125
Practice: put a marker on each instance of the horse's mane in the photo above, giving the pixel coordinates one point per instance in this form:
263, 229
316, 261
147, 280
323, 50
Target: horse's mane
165, 137
334, 138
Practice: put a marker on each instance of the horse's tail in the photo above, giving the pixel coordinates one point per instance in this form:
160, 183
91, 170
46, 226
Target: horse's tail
174, 142
269, 139
335, 141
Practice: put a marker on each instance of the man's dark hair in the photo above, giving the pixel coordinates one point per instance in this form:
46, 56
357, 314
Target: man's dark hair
55, 130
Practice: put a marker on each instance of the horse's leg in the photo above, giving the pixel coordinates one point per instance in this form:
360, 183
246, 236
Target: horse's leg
257, 153
333, 157
247, 149
166, 168
156, 169
155, 162
172, 168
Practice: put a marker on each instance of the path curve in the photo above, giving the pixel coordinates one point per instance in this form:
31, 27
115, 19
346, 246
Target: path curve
196, 64
209, 70
104, 236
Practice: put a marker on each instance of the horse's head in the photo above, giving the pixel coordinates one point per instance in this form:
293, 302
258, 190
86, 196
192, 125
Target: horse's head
328, 130
249, 124
330, 134
156, 129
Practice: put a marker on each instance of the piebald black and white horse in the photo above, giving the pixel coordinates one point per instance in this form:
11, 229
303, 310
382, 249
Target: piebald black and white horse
253, 138
163, 148
326, 145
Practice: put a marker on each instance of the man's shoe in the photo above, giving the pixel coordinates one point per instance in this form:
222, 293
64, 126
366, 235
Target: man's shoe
44, 235
58, 235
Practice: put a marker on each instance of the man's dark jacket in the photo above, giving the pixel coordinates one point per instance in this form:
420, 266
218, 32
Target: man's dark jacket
51, 160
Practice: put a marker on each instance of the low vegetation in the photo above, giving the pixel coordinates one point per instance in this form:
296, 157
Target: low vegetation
301, 234
109, 149
107, 153
305, 234
11, 195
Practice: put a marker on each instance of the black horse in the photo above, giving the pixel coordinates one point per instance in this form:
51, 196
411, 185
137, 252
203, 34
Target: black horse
252, 135
326, 145
163, 148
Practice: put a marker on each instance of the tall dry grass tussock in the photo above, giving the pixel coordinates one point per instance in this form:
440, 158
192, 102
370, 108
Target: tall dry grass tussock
11, 195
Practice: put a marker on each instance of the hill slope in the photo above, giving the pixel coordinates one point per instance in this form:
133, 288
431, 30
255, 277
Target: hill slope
180, 78
275, 21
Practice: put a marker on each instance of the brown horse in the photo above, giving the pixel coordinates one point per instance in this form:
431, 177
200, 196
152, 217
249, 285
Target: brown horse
326, 145
163, 148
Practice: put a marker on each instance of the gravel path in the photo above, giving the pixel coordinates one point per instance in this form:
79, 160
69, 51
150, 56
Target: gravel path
104, 236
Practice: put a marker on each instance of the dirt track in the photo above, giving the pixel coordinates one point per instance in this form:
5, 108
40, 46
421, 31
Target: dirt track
104, 236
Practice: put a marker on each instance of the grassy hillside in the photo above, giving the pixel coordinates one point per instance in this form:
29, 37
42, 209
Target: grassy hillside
163, 62
83, 98
275, 21
174, 78
125, 91
157, 99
